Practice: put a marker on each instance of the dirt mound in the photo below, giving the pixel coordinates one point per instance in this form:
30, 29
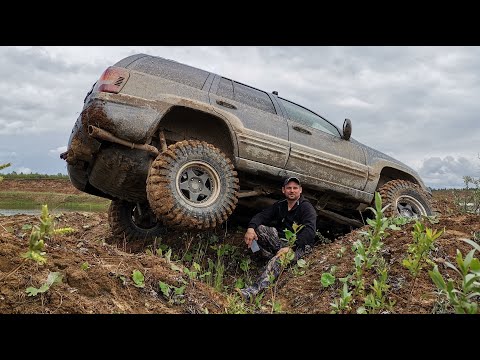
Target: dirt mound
305, 294
97, 269
62, 186
97, 276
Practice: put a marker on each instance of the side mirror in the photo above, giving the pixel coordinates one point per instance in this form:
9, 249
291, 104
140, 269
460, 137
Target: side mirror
347, 129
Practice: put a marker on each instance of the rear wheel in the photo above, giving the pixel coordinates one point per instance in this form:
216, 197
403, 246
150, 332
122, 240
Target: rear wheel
406, 199
132, 221
192, 185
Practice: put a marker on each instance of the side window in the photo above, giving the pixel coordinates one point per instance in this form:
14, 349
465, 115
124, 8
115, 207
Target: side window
306, 117
253, 97
225, 88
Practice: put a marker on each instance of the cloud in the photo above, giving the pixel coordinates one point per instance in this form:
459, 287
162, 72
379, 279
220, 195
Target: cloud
58, 150
23, 170
353, 102
7, 154
448, 171
414, 103
39, 91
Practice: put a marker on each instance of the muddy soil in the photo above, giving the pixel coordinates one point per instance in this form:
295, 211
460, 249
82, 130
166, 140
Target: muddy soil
97, 268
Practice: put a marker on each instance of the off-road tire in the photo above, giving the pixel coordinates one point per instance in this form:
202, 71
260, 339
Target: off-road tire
192, 185
406, 199
126, 223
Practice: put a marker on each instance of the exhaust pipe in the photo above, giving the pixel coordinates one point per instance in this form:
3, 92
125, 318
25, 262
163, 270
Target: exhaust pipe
101, 134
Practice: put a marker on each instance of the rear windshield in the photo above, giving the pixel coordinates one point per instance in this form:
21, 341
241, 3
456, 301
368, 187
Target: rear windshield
170, 70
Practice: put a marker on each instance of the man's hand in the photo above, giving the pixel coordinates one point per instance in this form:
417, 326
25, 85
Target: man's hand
250, 235
283, 250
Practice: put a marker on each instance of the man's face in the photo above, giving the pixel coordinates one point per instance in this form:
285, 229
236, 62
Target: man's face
292, 191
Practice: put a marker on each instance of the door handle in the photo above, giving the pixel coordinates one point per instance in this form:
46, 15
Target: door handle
225, 104
302, 130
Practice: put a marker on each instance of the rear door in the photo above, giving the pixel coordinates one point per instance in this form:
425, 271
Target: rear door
263, 134
318, 151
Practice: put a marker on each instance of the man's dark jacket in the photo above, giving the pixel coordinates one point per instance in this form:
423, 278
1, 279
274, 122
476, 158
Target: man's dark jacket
277, 215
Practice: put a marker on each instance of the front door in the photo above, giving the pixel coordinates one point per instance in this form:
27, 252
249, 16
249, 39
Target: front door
318, 151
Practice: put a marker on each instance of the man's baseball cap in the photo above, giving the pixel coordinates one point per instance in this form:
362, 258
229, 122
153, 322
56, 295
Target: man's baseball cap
291, 178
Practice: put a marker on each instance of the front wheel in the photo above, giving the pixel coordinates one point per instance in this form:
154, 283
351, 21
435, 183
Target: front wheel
406, 199
192, 185
131, 221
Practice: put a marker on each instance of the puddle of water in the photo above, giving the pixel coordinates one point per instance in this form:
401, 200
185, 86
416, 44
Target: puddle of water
10, 212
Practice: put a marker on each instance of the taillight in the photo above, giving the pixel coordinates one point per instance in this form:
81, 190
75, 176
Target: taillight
112, 80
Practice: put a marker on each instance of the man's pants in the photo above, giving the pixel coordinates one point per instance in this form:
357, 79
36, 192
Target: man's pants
269, 243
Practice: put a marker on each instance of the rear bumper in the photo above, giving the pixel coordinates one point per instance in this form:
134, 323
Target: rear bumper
103, 168
130, 118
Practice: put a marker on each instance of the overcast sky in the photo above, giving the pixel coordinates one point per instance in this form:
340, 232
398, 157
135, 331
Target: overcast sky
417, 104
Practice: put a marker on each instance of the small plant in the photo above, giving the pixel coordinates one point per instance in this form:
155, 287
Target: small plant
161, 249
85, 266
341, 252
235, 305
39, 234
165, 289
375, 233
343, 303
3, 166
276, 307
193, 274
300, 268
123, 279
138, 279
469, 202
292, 236
401, 220
366, 257
322, 239
168, 255
53, 278
359, 260
476, 236
283, 260
239, 283
217, 269
423, 239
377, 299
245, 267
211, 271
461, 295
327, 279
258, 300
432, 219
441, 305
173, 294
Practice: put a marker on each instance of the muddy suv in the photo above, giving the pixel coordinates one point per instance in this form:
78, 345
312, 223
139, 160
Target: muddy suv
176, 146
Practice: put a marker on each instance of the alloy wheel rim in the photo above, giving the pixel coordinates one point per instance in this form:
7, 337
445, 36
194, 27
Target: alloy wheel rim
197, 182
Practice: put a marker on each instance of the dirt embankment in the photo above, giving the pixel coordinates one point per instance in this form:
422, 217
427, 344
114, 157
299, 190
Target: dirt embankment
61, 186
97, 274
97, 268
